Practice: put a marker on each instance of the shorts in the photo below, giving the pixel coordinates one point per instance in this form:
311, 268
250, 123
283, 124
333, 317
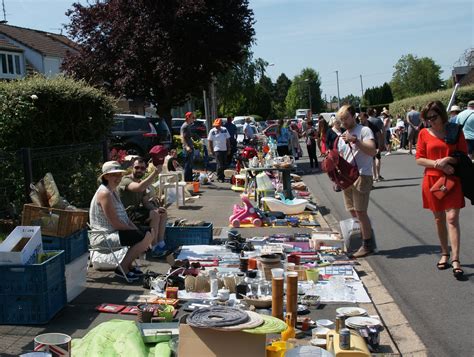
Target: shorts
139, 216
412, 135
388, 137
470, 146
377, 156
129, 238
356, 197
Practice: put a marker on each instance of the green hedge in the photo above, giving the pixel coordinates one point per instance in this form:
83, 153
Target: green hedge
41, 112
53, 117
463, 95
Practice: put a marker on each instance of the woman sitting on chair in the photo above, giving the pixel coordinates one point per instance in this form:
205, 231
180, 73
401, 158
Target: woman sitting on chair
108, 214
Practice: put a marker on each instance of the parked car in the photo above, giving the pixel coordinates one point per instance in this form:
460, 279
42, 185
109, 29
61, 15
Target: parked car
271, 130
198, 129
137, 134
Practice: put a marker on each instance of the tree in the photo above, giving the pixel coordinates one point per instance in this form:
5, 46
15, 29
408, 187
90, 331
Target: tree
467, 58
281, 91
378, 95
162, 51
302, 87
236, 87
414, 76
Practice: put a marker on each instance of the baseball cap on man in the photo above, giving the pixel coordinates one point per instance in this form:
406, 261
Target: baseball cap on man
188, 115
111, 167
158, 154
217, 122
470, 103
455, 108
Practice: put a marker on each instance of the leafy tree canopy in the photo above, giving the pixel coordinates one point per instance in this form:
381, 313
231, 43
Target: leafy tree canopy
414, 76
236, 88
162, 51
302, 87
378, 95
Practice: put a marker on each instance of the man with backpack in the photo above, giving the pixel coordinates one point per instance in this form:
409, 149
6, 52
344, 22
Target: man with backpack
357, 146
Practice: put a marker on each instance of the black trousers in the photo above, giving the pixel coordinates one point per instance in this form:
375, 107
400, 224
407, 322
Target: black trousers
221, 161
313, 159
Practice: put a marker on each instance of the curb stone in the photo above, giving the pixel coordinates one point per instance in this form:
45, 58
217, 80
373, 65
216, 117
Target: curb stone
404, 338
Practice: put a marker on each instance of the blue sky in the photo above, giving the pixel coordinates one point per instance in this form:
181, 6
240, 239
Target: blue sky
354, 37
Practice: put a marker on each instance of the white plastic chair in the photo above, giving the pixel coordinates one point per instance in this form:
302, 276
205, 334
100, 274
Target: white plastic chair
107, 249
175, 181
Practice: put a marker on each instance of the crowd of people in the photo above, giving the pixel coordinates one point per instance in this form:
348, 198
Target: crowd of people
123, 208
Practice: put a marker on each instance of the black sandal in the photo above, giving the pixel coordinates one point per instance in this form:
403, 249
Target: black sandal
457, 272
445, 265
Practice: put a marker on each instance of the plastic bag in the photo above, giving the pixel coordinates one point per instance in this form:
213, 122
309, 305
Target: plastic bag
171, 195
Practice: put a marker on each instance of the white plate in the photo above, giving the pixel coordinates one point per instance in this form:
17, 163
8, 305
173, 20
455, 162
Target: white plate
320, 342
361, 321
325, 323
320, 331
351, 311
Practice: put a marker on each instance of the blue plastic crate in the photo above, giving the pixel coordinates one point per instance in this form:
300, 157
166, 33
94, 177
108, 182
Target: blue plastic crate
38, 309
33, 278
178, 236
73, 245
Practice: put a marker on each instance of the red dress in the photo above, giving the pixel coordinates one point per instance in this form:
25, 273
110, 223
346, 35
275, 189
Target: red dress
434, 148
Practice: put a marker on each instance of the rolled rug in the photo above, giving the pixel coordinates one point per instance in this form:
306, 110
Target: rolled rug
255, 320
217, 316
270, 325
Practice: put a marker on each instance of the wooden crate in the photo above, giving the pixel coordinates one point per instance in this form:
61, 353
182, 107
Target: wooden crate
54, 222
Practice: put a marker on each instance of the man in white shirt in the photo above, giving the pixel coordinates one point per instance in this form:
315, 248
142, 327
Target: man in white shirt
219, 146
357, 146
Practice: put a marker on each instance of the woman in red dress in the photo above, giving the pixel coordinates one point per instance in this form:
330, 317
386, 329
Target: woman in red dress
433, 153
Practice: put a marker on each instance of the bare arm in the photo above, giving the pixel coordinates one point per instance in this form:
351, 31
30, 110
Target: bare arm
367, 146
105, 200
444, 164
143, 185
210, 147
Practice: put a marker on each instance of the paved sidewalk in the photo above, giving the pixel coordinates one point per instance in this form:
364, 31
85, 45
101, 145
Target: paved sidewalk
79, 316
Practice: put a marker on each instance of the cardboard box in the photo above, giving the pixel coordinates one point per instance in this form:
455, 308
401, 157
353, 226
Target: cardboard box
330, 239
202, 342
76, 276
28, 253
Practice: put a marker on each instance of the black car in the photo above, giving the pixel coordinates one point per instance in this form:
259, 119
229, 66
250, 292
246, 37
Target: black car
137, 134
198, 129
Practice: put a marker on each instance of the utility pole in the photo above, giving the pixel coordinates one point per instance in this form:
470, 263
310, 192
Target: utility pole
362, 93
309, 94
338, 95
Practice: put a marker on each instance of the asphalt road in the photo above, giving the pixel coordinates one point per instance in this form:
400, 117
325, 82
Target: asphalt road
439, 308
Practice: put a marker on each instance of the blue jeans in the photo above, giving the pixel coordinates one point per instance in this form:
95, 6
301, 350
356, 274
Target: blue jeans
188, 165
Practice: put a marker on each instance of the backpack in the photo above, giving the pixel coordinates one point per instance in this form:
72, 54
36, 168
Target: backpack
341, 172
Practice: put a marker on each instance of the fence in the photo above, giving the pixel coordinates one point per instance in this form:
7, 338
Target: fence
75, 169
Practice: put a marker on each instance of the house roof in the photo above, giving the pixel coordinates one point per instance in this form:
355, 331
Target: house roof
46, 43
5, 45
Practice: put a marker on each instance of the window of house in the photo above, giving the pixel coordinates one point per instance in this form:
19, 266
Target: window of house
10, 64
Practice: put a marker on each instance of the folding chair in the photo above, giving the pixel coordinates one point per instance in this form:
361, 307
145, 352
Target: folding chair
107, 249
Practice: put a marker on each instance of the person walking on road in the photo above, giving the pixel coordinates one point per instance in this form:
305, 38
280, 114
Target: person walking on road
434, 153
188, 146
232, 129
323, 128
414, 122
219, 146
295, 141
358, 148
248, 130
310, 139
283, 139
466, 120
377, 128
387, 123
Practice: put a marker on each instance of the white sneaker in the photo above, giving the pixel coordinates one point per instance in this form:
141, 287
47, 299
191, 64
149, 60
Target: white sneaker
388, 153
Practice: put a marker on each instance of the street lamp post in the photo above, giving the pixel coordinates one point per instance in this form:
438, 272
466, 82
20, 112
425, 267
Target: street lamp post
309, 94
338, 96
